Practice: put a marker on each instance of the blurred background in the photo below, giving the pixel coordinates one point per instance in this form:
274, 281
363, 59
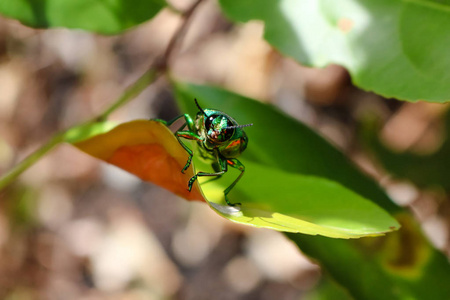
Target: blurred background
72, 227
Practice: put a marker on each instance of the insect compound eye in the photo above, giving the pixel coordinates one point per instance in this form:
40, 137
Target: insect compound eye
227, 133
216, 127
209, 122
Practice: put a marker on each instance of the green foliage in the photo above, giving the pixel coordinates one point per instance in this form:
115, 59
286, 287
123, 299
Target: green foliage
105, 16
282, 198
269, 197
278, 141
291, 202
392, 47
402, 265
327, 289
396, 48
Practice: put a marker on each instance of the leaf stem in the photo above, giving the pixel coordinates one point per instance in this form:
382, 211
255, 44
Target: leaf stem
30, 160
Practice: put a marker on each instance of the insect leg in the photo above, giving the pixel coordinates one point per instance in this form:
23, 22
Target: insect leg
188, 134
216, 167
223, 167
168, 123
233, 162
188, 121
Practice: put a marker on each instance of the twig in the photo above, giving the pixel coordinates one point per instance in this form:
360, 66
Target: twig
30, 160
158, 68
179, 35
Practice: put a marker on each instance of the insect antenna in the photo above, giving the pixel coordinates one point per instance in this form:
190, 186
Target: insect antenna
201, 109
240, 126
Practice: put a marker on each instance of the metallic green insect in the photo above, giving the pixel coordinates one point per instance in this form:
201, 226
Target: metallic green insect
220, 141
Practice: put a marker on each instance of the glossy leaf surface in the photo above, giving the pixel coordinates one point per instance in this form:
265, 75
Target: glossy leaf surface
396, 48
105, 16
289, 202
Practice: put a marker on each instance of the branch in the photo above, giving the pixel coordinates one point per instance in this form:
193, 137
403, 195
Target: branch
179, 35
30, 160
158, 68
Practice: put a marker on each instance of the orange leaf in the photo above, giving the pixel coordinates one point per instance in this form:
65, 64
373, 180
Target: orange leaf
149, 150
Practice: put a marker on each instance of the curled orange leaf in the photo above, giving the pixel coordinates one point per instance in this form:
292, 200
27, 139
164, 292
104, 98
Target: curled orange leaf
147, 149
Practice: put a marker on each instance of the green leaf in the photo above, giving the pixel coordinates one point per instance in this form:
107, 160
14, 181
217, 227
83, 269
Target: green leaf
85, 131
278, 141
150, 151
327, 289
401, 265
396, 48
426, 43
104, 16
282, 198
290, 202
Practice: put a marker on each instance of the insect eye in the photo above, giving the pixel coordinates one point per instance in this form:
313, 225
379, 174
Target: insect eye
209, 122
227, 134
216, 126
